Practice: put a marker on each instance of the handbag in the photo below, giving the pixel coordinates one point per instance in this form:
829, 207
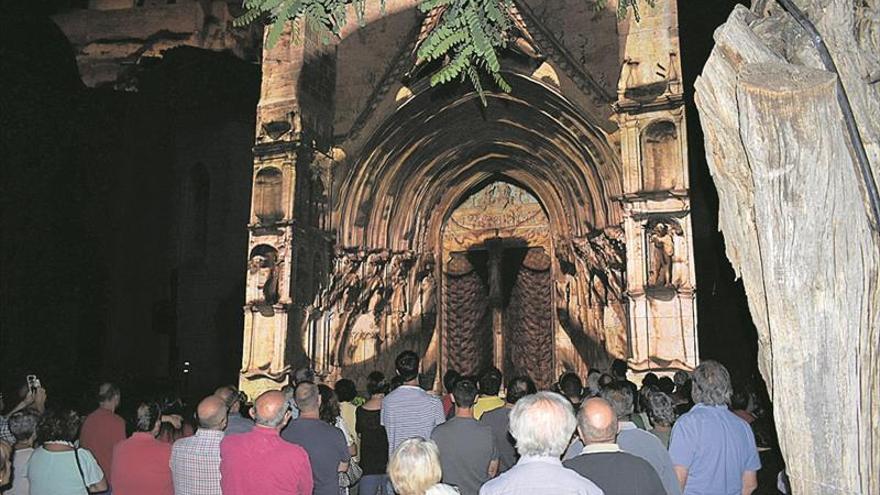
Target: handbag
349, 478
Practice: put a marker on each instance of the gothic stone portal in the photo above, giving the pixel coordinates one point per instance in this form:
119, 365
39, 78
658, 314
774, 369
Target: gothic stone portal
497, 285
544, 232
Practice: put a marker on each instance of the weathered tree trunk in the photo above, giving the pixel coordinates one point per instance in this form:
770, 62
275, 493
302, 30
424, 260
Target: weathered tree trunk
798, 230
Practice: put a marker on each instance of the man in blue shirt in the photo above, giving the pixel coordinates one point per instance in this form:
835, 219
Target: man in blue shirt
713, 450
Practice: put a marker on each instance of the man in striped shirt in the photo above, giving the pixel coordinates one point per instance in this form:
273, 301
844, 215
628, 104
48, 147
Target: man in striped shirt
195, 460
409, 411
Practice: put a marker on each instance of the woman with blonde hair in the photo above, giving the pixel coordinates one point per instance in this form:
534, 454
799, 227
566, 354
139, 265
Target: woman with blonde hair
414, 469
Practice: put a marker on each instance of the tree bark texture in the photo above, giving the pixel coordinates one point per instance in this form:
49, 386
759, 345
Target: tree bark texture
797, 228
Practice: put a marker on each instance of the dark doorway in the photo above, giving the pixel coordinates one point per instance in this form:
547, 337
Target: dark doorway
499, 310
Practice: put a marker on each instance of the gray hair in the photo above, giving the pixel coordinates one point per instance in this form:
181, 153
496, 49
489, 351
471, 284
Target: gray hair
271, 421
711, 384
307, 397
107, 391
542, 424
620, 396
591, 433
660, 408
23, 424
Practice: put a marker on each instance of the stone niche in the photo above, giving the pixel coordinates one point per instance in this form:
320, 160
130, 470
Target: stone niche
660, 147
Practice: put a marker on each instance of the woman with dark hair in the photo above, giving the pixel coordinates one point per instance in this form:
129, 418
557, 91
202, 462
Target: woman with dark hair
57, 467
346, 392
374, 440
329, 413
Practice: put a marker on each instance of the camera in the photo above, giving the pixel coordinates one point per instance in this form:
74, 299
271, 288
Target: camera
33, 383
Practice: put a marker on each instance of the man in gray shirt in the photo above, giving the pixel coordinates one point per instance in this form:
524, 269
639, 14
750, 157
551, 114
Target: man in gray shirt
639, 442
499, 421
467, 447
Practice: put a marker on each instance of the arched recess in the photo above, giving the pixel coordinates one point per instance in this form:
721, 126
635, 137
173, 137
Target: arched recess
268, 199
430, 152
422, 162
660, 148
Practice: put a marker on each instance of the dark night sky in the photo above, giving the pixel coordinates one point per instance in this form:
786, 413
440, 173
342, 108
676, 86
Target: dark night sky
60, 140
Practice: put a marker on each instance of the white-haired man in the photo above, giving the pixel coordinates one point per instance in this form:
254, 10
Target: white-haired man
712, 449
542, 425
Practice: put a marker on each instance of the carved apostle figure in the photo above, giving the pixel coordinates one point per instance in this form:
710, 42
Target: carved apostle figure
262, 285
662, 253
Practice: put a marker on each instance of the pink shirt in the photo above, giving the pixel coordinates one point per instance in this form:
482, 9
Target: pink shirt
260, 461
100, 432
141, 466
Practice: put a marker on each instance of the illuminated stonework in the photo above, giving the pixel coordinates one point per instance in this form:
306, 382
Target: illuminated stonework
549, 231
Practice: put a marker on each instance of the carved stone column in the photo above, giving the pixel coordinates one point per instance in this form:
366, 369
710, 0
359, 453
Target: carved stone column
294, 126
659, 239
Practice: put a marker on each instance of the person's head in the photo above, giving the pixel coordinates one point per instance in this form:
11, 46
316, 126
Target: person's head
618, 369
147, 418
519, 387
304, 374
490, 381
592, 387
212, 413
59, 425
229, 395
308, 399
449, 379
571, 387
329, 408
739, 400
377, 384
288, 391
661, 411
542, 424
345, 389
407, 366
711, 384
23, 426
620, 396
650, 380
414, 467
605, 380
597, 422
109, 396
666, 385
271, 410
464, 393
680, 377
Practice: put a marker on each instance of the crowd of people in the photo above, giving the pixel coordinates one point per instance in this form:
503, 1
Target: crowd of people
684, 435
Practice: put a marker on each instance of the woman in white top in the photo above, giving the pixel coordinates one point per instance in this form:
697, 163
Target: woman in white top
58, 467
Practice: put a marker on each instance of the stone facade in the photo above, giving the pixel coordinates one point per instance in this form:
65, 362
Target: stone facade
359, 246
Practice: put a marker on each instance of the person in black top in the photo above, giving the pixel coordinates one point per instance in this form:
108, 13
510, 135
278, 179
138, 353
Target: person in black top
374, 441
602, 462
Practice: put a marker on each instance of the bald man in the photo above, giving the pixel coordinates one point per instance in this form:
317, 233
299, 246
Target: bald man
602, 461
195, 460
325, 443
260, 461
236, 423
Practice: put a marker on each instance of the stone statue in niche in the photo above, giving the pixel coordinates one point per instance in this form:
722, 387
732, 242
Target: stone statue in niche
662, 246
262, 284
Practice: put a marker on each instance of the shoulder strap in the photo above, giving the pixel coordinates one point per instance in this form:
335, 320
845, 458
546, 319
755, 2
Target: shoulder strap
80, 469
